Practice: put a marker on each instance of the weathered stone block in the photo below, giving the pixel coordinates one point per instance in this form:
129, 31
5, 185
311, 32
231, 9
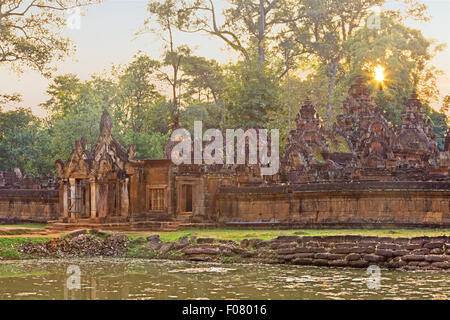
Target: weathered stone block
421, 251
335, 256
435, 258
205, 240
358, 264
434, 245
303, 250
441, 265
344, 245
353, 257
285, 251
165, 248
437, 251
281, 245
401, 241
341, 250
384, 252
413, 246
303, 261
413, 257
320, 262
303, 255
363, 250
196, 250
372, 258
253, 243
390, 246
244, 243
399, 253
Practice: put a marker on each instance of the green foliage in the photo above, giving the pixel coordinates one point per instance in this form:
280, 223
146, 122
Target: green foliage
31, 32
320, 44
251, 92
23, 143
338, 144
439, 125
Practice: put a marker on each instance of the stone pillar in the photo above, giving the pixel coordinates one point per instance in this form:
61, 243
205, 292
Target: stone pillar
72, 185
94, 189
65, 199
124, 198
102, 202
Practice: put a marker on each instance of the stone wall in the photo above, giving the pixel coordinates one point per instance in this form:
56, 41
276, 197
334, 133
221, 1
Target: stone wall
19, 205
360, 252
424, 253
364, 204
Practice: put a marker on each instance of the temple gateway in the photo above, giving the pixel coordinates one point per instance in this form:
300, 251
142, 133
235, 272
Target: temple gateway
360, 173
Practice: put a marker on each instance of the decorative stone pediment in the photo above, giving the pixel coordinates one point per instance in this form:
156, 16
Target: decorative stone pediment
107, 155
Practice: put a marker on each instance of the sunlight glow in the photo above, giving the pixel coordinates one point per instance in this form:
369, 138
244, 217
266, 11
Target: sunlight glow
379, 73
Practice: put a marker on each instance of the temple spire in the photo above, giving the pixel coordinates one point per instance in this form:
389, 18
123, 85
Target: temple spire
105, 124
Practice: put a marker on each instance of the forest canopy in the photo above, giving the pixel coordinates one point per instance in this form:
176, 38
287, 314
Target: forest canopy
287, 50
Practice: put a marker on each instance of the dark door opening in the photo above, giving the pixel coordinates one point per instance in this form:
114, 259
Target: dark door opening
188, 198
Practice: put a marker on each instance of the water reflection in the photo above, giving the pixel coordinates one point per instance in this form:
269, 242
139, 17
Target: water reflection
151, 279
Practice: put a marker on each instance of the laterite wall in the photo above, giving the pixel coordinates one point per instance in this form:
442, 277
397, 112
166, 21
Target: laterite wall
29, 205
337, 204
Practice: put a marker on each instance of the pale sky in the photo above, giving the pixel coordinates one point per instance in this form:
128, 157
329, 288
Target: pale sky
107, 37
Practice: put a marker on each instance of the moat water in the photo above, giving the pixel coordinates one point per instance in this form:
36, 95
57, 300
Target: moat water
154, 279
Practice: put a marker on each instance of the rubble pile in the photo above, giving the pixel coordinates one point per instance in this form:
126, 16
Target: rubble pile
78, 245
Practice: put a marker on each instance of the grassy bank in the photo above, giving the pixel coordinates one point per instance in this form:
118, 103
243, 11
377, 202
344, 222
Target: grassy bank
9, 247
25, 225
238, 235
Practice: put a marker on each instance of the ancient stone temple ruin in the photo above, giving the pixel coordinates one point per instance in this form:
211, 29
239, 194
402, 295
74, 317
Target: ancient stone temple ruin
94, 184
359, 173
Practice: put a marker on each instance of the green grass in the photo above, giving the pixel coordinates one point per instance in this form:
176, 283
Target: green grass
25, 225
9, 247
238, 235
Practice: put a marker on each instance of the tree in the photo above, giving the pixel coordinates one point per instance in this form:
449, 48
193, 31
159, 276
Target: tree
247, 23
30, 32
405, 55
205, 78
165, 15
24, 143
445, 109
325, 27
136, 92
251, 91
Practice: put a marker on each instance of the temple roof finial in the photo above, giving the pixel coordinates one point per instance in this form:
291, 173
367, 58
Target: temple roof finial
105, 124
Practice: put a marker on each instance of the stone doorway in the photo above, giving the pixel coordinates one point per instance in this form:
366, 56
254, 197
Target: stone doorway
187, 198
79, 199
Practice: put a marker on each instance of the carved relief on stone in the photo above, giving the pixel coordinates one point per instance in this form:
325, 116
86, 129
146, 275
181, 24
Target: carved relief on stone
131, 152
306, 147
414, 145
376, 145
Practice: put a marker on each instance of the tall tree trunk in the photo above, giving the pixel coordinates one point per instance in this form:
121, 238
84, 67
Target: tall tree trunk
333, 70
262, 27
